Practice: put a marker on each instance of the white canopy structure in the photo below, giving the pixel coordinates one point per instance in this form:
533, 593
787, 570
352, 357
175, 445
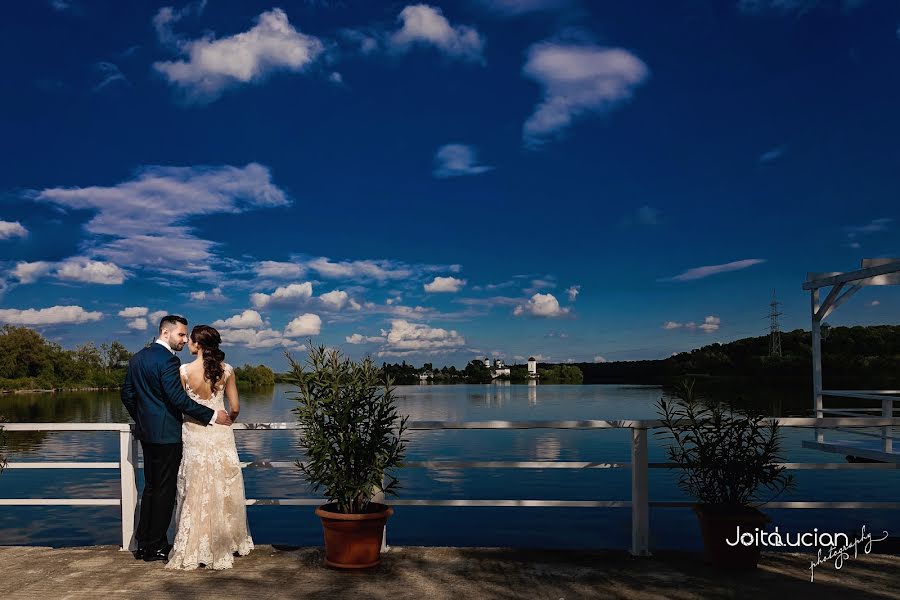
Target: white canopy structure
872, 271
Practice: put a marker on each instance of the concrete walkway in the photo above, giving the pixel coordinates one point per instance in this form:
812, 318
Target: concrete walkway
105, 573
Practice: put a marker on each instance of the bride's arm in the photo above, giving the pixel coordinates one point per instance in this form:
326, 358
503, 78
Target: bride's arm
231, 392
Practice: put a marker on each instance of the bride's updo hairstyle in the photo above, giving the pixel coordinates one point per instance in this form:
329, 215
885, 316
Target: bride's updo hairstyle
213, 358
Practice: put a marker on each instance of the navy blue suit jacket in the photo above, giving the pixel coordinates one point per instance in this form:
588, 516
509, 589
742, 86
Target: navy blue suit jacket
153, 395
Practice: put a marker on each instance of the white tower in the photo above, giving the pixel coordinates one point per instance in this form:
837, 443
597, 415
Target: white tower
532, 367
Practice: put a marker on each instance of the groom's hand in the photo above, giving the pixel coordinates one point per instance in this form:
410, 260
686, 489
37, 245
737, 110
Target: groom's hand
222, 418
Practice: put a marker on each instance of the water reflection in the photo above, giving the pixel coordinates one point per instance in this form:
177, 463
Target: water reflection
532, 392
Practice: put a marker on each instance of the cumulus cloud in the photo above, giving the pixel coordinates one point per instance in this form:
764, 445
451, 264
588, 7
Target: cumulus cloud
156, 316
308, 324
213, 65
405, 338
248, 319
358, 338
90, 271
139, 324
599, 359
541, 305
140, 222
338, 299
55, 315
133, 312
258, 339
709, 324
454, 160
701, 272
284, 295
213, 295
424, 25
11, 229
285, 270
573, 292
29, 272
577, 80
444, 284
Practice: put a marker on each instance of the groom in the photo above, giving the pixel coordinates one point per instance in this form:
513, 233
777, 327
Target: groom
153, 395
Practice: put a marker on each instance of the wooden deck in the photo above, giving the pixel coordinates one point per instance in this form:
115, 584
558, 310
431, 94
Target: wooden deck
105, 573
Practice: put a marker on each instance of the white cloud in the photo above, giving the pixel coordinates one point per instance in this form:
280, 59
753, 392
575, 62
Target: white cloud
875, 226
286, 270
599, 359
379, 270
138, 324
426, 25
109, 75
55, 315
791, 7
284, 295
214, 295
573, 292
11, 229
258, 339
213, 65
336, 78
156, 316
29, 272
132, 312
445, 284
407, 338
308, 324
577, 80
248, 319
337, 300
453, 160
541, 305
701, 272
709, 324
357, 338
875, 303
90, 271
140, 222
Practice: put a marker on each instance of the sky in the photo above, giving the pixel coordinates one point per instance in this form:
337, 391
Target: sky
565, 179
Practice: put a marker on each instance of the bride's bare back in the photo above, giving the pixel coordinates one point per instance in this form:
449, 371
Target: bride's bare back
194, 378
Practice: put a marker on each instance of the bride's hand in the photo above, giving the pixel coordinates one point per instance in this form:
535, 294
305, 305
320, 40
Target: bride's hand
234, 415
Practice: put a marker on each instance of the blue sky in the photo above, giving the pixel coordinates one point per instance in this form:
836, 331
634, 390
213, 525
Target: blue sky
433, 182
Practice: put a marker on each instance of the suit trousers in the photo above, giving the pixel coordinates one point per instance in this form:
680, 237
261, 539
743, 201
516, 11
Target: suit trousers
161, 463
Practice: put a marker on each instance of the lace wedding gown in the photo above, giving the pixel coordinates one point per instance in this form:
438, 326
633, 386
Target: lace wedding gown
211, 512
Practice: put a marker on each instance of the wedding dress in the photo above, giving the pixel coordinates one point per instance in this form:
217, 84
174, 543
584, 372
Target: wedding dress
211, 511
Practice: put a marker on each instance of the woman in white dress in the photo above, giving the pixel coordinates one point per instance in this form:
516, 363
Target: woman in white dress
211, 510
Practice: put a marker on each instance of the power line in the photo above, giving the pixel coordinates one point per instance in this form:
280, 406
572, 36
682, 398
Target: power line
774, 330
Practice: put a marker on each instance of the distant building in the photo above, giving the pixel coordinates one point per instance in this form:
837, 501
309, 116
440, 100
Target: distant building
532, 368
498, 369
424, 377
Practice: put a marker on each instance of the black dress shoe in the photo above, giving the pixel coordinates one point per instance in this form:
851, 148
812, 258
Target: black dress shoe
151, 555
139, 554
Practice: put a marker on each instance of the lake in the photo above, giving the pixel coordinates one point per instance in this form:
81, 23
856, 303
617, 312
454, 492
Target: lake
433, 526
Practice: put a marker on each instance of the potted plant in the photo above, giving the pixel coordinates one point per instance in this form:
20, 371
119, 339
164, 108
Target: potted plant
726, 457
352, 435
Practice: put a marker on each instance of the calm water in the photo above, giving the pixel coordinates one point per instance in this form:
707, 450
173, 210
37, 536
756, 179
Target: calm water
521, 527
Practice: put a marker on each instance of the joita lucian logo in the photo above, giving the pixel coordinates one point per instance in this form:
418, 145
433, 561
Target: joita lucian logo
829, 546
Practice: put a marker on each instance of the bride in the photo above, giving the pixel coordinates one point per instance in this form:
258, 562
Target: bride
211, 512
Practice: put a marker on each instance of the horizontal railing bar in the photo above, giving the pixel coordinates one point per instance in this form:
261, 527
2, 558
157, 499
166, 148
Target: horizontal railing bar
855, 432
66, 426
59, 502
844, 392
570, 503
851, 412
63, 465
824, 423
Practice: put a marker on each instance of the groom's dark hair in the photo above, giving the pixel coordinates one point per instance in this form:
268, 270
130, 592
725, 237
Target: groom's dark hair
170, 321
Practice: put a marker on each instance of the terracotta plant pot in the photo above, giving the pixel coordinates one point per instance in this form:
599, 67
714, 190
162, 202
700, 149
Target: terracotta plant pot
718, 524
353, 541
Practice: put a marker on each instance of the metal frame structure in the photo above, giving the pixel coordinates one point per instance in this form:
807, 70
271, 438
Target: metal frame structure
640, 503
878, 271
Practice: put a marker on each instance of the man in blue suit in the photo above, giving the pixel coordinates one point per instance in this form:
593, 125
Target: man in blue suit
155, 399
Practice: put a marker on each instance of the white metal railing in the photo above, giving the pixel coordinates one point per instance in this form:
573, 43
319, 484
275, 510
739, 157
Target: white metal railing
887, 398
639, 504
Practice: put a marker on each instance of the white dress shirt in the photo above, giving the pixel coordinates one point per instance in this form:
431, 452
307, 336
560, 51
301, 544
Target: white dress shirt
169, 348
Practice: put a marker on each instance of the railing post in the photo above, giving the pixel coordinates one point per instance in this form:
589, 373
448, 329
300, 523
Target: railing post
816, 334
128, 483
640, 498
379, 497
887, 433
